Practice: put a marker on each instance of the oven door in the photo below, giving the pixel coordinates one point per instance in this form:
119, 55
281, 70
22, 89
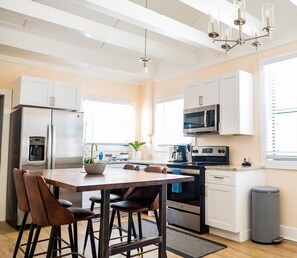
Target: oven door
187, 195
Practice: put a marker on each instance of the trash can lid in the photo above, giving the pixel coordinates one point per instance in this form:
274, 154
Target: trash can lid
265, 189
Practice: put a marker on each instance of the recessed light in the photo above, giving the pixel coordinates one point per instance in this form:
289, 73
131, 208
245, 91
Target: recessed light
294, 2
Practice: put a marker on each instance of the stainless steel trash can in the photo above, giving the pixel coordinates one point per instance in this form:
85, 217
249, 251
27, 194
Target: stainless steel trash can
265, 215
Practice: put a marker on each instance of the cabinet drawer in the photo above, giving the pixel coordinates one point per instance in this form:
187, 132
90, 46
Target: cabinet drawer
220, 177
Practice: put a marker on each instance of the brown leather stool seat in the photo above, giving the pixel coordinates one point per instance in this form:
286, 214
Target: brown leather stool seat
47, 211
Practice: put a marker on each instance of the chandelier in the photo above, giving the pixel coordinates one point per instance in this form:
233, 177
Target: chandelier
239, 20
145, 60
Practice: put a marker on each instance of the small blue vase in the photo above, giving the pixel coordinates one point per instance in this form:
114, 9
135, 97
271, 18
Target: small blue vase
100, 156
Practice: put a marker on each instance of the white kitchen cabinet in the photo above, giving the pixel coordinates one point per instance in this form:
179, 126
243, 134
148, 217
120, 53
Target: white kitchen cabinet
236, 103
228, 202
202, 93
33, 91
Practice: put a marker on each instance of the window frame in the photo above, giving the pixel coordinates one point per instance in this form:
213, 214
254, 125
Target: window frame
108, 100
273, 164
163, 147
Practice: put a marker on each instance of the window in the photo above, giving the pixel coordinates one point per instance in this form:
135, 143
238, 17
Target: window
109, 122
280, 83
169, 122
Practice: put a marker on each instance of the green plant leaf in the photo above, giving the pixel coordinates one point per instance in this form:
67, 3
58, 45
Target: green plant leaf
136, 144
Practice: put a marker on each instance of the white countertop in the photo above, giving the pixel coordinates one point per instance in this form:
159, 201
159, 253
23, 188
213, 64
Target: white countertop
233, 168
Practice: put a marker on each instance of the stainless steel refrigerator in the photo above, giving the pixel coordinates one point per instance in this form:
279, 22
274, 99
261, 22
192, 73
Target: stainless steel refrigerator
42, 139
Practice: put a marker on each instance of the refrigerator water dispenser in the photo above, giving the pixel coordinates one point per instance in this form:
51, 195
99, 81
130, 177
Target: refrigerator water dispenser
36, 148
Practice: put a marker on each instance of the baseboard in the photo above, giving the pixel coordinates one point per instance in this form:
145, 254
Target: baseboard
288, 233
238, 237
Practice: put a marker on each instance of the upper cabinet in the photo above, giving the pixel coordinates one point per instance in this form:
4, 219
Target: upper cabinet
32, 91
236, 103
233, 92
202, 93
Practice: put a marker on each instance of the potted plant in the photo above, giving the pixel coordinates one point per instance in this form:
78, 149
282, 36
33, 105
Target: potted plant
136, 153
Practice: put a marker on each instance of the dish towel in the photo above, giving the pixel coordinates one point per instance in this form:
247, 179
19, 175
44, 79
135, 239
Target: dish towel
176, 187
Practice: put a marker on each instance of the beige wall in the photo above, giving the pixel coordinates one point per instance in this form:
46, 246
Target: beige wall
245, 146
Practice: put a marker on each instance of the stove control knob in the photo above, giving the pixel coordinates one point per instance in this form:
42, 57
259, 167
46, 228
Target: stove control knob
221, 151
195, 151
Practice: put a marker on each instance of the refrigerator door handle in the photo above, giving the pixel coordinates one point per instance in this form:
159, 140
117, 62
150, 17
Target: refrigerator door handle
54, 146
49, 144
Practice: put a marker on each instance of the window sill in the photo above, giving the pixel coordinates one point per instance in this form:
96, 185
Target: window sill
286, 164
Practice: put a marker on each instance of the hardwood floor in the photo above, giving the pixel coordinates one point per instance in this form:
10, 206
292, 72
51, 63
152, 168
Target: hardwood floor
248, 249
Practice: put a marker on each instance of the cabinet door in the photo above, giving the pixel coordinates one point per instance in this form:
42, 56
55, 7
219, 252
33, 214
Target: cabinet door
220, 209
211, 91
193, 94
33, 91
229, 106
236, 99
66, 96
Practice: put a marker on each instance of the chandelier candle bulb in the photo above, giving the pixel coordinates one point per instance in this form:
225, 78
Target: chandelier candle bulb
268, 17
239, 13
213, 24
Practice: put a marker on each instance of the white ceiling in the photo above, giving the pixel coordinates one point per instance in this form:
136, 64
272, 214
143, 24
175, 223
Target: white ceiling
105, 38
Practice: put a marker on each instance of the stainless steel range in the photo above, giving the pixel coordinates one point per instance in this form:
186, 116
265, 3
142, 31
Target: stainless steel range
186, 201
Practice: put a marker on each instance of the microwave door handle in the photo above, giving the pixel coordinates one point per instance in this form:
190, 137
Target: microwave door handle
200, 100
205, 120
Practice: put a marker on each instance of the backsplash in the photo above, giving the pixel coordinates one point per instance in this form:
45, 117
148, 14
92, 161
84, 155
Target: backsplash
110, 152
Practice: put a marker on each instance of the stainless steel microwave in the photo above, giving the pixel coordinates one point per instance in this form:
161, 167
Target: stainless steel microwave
202, 120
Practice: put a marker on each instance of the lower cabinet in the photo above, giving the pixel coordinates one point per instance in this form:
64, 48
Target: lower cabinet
228, 202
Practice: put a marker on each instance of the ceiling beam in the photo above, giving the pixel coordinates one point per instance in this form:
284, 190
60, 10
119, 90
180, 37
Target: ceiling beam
41, 13
153, 21
63, 51
226, 10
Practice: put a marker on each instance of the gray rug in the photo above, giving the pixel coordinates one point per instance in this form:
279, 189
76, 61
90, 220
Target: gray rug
181, 243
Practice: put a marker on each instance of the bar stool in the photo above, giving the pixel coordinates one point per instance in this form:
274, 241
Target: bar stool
139, 199
24, 206
115, 195
47, 211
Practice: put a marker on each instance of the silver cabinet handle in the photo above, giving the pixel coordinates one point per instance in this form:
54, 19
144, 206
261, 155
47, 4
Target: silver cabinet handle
53, 161
48, 149
218, 177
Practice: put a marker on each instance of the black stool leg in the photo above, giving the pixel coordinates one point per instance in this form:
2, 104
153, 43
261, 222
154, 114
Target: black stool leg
51, 242
37, 232
75, 239
87, 230
91, 231
157, 220
17, 244
71, 240
140, 228
120, 225
130, 221
111, 221
29, 240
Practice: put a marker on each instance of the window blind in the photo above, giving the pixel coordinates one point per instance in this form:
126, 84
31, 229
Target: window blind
109, 122
281, 109
169, 122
